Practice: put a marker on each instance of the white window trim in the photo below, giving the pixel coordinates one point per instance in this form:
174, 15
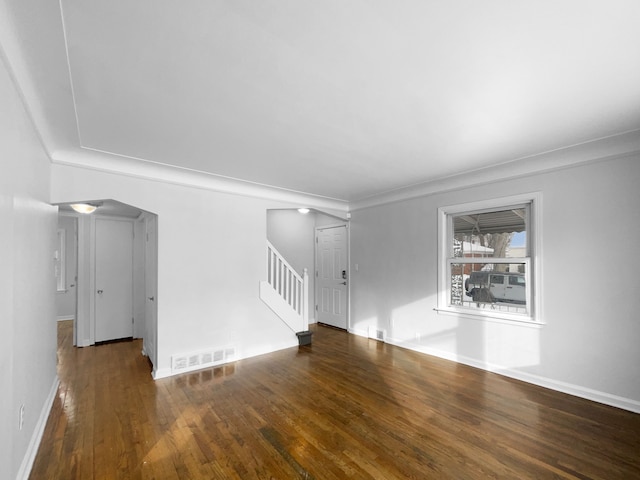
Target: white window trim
533, 262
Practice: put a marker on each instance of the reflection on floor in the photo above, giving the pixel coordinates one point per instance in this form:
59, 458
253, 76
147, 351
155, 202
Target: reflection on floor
344, 407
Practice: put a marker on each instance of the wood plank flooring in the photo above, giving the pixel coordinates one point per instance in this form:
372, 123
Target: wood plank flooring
344, 407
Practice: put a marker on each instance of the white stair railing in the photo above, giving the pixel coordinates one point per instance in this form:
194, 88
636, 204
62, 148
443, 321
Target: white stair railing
285, 291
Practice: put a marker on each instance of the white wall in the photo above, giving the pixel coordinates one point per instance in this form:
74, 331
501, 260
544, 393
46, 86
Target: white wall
590, 232
211, 258
27, 284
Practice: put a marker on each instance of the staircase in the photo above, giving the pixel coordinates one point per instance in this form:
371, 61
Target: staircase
286, 292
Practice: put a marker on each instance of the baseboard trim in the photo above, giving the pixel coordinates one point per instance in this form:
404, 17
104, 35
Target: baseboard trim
359, 332
161, 373
559, 386
36, 437
240, 355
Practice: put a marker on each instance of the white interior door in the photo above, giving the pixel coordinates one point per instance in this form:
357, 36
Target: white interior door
113, 279
331, 275
151, 287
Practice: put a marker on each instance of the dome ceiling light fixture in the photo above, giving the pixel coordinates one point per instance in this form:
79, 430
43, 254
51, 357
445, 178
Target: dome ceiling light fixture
84, 208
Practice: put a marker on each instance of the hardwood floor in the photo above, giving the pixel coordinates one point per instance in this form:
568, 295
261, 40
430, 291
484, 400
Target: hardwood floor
344, 407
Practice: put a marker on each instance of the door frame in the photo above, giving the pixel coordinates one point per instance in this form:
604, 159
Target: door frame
84, 324
150, 252
344, 224
72, 275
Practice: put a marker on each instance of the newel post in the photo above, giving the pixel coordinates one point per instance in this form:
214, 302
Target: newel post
304, 337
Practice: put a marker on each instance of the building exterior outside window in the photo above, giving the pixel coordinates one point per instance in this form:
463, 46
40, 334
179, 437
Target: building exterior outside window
487, 258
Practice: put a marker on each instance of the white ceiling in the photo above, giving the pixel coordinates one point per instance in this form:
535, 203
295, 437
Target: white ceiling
343, 99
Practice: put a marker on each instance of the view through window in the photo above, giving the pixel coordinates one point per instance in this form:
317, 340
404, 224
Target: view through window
488, 264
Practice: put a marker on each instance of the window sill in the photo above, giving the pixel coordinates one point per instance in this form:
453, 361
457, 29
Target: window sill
489, 316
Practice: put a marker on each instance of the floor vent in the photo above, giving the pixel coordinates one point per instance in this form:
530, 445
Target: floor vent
203, 359
377, 334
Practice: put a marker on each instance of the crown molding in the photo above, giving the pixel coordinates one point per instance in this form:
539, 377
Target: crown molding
607, 148
143, 169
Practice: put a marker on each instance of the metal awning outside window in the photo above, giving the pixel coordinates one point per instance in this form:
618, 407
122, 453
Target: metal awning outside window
502, 221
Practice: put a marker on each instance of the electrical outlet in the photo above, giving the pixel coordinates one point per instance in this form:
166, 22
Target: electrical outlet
21, 416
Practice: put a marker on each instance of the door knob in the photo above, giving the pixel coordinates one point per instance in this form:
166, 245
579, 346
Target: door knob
100, 292
152, 298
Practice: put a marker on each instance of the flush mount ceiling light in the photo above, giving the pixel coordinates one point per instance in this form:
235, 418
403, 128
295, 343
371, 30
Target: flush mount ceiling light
303, 211
84, 207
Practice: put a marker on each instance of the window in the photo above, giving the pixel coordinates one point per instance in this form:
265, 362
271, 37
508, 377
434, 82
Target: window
486, 254
59, 261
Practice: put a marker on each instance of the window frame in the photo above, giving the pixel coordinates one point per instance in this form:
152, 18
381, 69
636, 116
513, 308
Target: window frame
60, 264
533, 202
